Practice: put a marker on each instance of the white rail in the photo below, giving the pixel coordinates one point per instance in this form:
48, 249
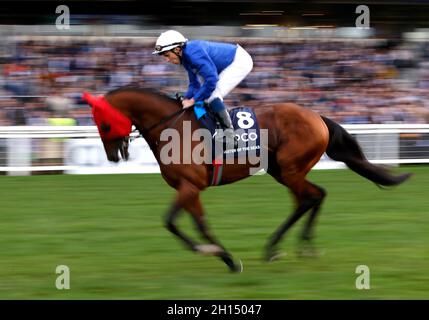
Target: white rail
78, 149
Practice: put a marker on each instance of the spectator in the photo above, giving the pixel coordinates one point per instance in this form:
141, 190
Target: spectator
360, 83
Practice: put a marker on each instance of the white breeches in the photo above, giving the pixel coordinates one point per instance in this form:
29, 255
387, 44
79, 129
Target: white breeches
232, 75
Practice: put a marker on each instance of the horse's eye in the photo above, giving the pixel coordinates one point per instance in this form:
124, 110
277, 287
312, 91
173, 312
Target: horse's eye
105, 127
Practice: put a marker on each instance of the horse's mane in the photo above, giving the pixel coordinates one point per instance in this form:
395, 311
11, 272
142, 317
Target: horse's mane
150, 91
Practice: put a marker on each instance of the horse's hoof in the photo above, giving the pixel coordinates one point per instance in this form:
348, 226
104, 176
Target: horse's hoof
272, 255
236, 268
277, 256
240, 267
209, 249
309, 252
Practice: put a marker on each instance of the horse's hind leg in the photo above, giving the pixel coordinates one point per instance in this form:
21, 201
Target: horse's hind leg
306, 248
307, 196
307, 232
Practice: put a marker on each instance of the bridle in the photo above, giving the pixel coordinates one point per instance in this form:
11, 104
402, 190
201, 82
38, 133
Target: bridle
123, 148
161, 122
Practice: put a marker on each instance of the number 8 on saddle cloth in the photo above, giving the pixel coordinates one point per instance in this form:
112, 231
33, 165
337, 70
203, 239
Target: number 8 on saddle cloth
246, 129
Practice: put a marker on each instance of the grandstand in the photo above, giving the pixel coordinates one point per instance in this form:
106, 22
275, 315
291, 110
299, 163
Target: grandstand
312, 55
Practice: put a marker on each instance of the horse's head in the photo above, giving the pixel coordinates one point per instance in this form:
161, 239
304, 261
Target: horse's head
115, 147
113, 126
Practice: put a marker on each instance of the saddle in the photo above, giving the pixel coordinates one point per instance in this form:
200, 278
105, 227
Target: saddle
246, 129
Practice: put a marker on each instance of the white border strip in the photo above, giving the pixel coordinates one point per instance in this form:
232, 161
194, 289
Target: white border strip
95, 170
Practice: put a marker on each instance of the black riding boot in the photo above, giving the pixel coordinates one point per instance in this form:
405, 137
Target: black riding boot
228, 128
224, 119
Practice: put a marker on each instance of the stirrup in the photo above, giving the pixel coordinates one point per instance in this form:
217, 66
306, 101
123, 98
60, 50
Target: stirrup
231, 144
230, 139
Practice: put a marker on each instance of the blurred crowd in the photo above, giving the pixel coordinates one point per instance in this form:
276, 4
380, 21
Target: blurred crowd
349, 81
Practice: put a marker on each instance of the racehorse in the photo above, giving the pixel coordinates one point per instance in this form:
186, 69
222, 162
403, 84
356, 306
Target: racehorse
297, 138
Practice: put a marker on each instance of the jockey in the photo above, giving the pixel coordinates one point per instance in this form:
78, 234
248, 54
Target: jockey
214, 69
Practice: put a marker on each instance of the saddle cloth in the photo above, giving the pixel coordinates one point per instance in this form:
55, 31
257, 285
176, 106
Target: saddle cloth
246, 128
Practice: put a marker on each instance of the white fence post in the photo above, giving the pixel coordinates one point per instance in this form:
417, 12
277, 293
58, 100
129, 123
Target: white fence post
19, 155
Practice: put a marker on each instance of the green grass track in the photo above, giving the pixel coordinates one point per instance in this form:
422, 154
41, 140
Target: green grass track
108, 229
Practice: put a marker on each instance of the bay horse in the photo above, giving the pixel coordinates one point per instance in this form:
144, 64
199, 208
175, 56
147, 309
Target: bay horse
297, 138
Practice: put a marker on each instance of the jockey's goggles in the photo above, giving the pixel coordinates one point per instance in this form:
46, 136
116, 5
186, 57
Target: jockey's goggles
159, 48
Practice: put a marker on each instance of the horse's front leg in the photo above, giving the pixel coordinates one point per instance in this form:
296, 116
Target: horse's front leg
188, 199
170, 224
187, 192
196, 210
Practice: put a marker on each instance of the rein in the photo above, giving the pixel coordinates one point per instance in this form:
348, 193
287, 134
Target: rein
162, 121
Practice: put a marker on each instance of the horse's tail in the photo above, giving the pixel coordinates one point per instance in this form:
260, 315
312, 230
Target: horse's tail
343, 147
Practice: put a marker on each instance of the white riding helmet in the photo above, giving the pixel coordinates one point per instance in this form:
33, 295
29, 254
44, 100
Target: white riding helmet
169, 40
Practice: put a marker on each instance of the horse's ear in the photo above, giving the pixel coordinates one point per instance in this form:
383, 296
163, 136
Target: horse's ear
88, 98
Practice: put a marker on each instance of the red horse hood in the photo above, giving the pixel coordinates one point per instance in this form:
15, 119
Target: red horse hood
111, 123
